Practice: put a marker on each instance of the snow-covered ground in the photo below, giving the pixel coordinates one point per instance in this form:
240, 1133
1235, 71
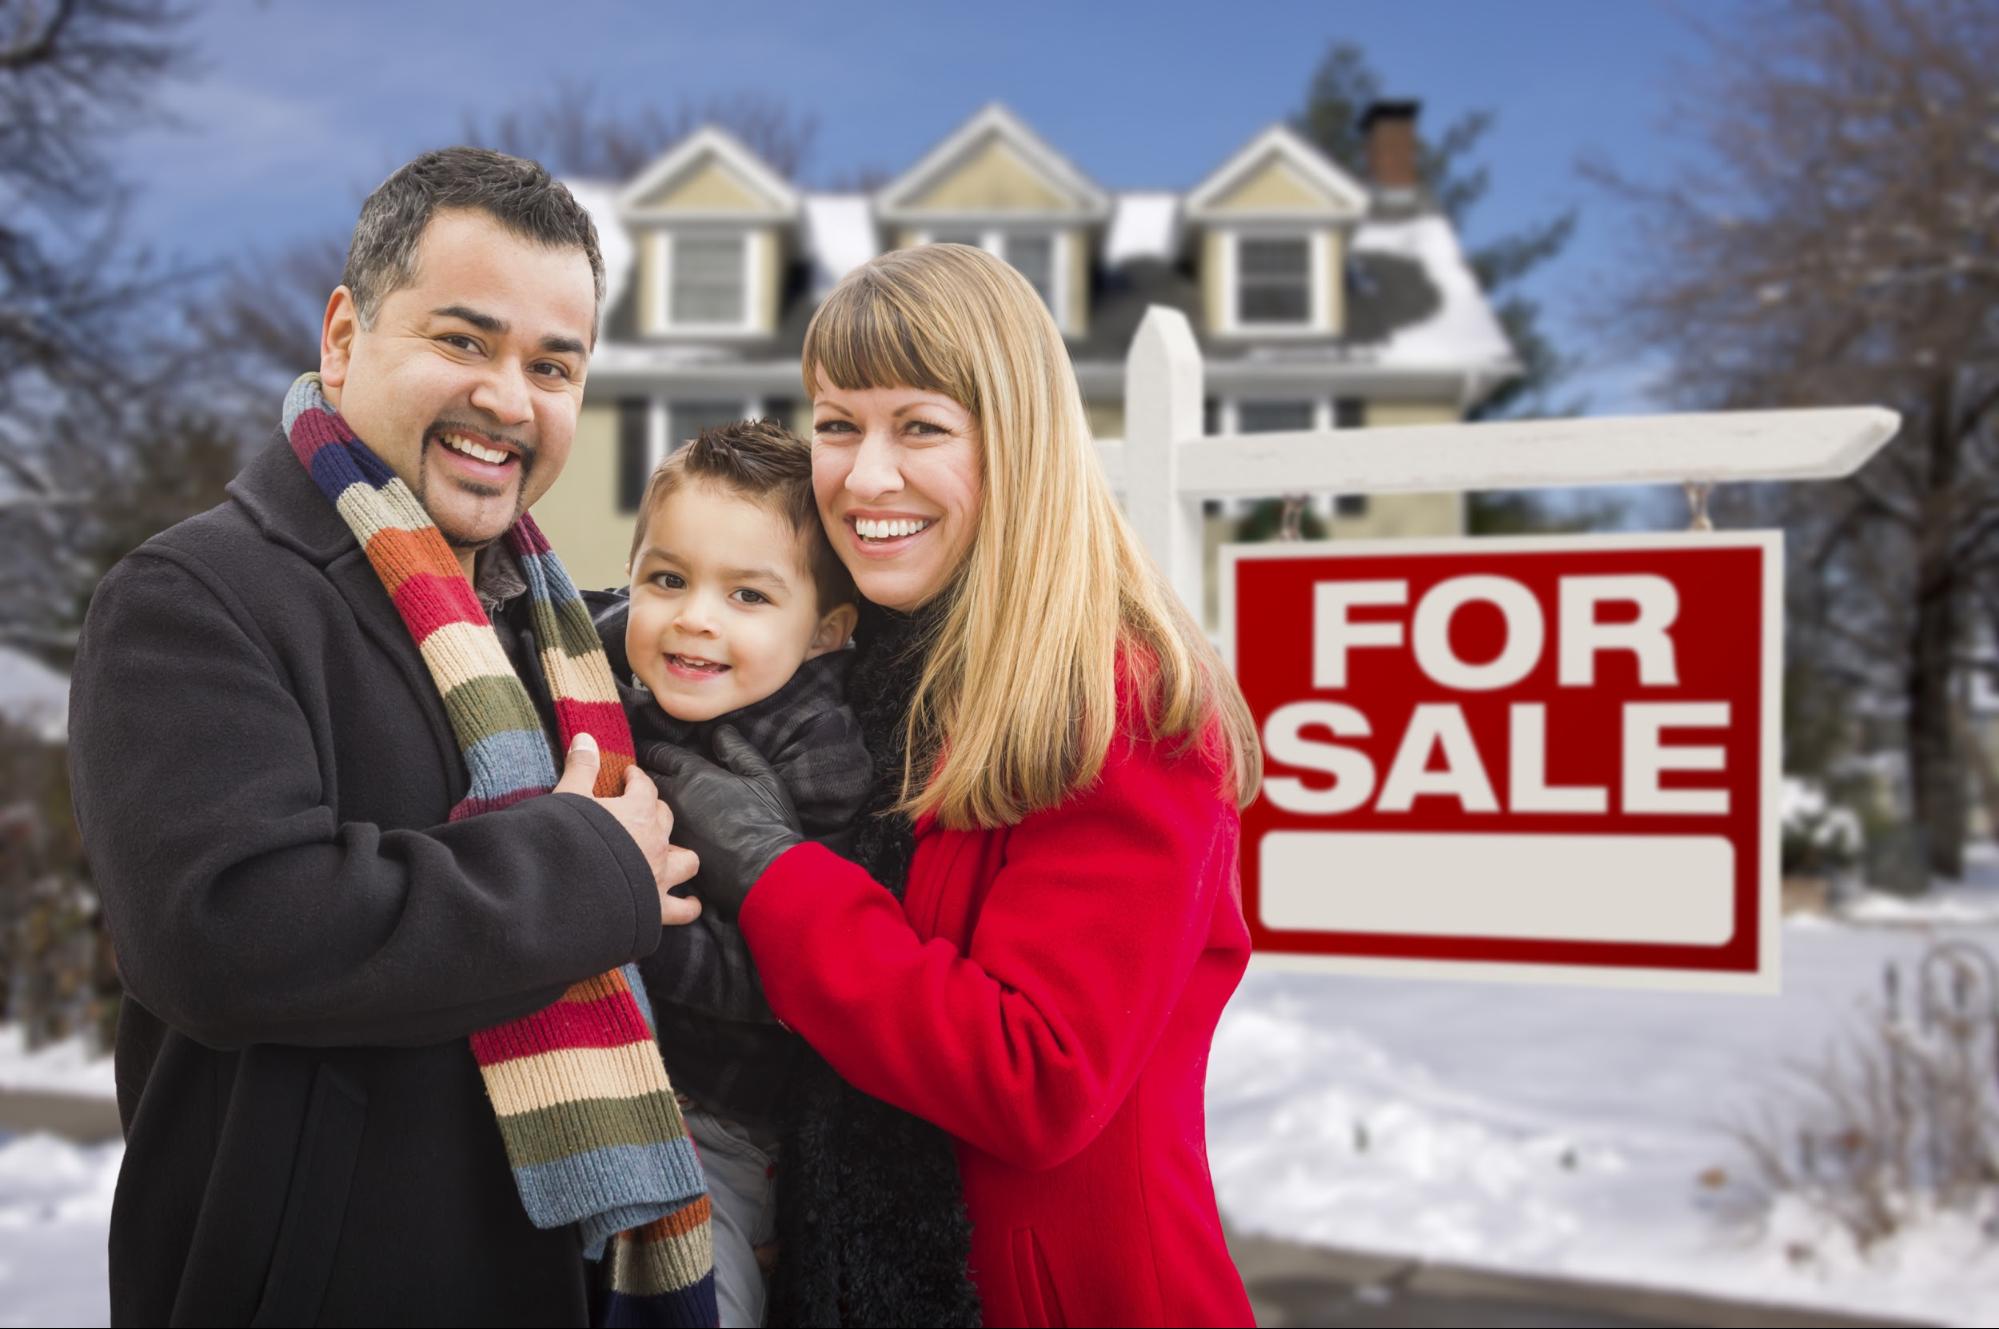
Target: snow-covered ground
1532, 1129
67, 1067
1565, 1130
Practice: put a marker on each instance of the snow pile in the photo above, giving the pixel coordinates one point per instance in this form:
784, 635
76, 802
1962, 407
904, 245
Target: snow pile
33, 695
1973, 900
1564, 1131
68, 1067
600, 200
1144, 225
55, 1208
1464, 329
840, 236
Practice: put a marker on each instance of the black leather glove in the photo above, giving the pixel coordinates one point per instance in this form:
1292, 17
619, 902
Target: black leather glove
736, 815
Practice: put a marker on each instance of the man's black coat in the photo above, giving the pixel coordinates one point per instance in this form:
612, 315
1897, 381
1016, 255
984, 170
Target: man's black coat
262, 771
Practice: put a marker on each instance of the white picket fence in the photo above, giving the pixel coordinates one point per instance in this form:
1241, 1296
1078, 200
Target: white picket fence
1165, 466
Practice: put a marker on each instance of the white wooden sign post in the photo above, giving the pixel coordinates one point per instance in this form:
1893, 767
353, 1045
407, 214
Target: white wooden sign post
1433, 817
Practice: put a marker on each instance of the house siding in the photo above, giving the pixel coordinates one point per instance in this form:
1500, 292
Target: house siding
1214, 284
711, 187
993, 179
579, 514
1276, 187
1394, 516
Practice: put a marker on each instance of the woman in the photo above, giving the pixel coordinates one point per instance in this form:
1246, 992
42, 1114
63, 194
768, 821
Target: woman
1024, 1013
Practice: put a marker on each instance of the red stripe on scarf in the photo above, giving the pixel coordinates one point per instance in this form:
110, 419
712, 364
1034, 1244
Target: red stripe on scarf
608, 1022
428, 600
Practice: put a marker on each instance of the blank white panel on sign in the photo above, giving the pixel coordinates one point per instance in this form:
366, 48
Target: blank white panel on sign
1673, 890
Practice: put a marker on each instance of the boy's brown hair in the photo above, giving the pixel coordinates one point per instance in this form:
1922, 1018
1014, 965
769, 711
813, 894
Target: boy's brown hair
762, 461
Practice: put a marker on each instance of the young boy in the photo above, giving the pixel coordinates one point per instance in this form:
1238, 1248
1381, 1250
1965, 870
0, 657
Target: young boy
738, 614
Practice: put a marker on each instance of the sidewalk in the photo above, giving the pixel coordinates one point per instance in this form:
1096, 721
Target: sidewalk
72, 1116
1290, 1284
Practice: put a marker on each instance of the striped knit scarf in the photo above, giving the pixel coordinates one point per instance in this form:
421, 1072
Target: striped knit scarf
590, 1123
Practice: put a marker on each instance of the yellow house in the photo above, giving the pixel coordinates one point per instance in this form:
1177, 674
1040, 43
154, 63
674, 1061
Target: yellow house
1321, 301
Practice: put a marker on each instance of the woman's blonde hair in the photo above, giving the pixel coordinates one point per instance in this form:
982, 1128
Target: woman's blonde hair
1020, 689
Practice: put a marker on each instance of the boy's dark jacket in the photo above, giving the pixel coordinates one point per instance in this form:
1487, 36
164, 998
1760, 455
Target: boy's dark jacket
263, 775
723, 1047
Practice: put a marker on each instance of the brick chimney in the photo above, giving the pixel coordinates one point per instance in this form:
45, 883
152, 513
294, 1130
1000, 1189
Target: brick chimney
1390, 127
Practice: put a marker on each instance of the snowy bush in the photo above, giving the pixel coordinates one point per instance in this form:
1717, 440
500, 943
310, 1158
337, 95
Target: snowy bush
1901, 1123
1818, 835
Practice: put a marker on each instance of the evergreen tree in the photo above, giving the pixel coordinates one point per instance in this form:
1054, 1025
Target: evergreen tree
1343, 87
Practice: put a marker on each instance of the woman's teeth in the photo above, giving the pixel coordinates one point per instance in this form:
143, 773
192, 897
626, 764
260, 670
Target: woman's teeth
869, 529
479, 452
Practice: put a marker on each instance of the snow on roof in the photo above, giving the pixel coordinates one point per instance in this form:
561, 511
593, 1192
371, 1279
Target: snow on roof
600, 200
33, 695
1464, 329
1144, 225
839, 234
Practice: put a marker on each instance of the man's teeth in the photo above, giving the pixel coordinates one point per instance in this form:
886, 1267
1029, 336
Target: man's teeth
869, 529
460, 443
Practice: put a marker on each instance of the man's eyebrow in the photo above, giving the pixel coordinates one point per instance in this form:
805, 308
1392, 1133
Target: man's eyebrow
483, 322
564, 344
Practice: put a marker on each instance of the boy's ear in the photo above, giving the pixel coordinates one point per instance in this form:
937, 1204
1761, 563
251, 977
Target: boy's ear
833, 630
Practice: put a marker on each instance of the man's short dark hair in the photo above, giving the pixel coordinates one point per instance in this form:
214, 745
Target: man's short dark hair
516, 192
762, 461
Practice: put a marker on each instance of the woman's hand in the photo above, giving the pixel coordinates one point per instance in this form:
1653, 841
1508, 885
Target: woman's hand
736, 817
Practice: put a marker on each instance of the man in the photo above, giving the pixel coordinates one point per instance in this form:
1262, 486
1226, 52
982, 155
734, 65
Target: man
276, 801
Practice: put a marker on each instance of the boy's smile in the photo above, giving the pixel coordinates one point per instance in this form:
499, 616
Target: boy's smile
724, 608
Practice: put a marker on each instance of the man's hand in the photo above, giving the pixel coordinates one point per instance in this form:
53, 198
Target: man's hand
645, 818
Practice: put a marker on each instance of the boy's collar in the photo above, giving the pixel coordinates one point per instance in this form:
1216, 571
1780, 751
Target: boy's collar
823, 676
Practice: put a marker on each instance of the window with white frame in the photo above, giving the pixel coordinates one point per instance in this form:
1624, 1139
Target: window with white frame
707, 281
685, 419
1035, 255
1271, 417
1273, 281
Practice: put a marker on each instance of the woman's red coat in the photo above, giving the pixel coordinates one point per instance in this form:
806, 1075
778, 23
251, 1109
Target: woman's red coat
1046, 993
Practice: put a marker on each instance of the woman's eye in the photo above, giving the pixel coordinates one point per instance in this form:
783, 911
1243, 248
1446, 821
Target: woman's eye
833, 427
925, 429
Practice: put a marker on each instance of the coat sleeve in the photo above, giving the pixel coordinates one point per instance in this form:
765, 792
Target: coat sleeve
244, 911
1026, 1043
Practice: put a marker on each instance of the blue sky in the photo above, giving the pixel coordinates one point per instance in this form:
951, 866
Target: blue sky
297, 110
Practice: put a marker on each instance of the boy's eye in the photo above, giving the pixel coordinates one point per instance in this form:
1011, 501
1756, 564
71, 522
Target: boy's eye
751, 597
672, 581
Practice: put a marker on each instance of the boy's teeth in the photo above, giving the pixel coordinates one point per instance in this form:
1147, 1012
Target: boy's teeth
459, 443
870, 529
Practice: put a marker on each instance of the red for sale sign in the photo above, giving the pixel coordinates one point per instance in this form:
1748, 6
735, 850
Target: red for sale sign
1553, 758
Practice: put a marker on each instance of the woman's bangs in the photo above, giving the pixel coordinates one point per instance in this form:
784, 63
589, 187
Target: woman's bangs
860, 339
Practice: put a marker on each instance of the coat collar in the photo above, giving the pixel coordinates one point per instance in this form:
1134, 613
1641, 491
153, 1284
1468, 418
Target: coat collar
282, 499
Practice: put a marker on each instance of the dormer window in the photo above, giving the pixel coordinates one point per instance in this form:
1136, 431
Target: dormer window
996, 184
708, 281
1275, 220
1035, 255
712, 224
1273, 281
